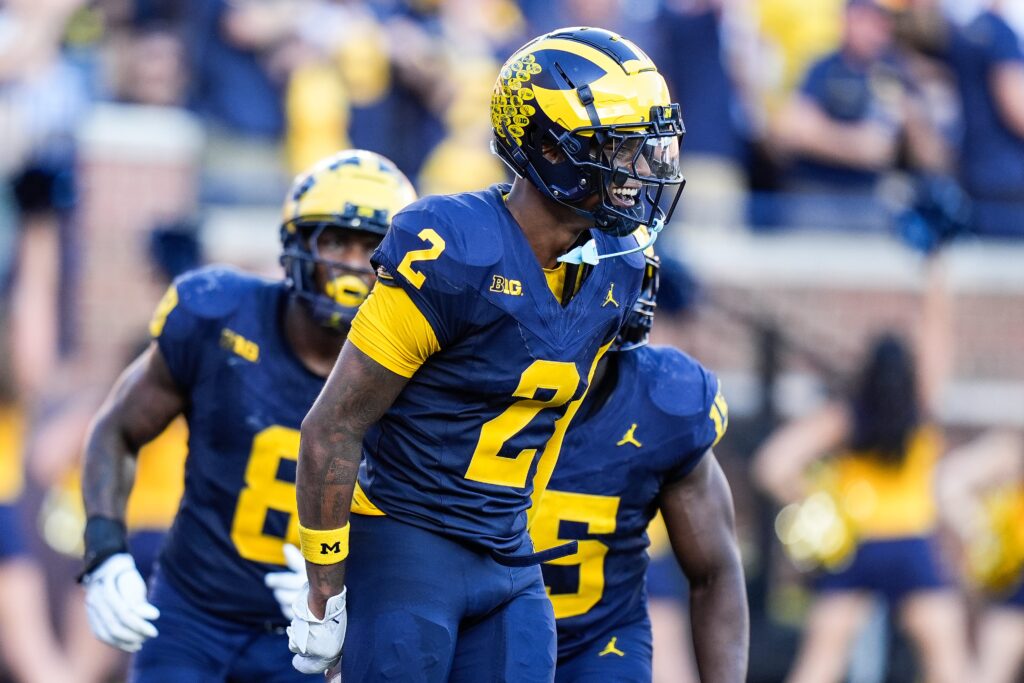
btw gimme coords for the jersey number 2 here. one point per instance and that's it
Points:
(415, 278)
(264, 492)
(487, 465)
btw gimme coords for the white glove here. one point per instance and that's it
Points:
(317, 642)
(115, 600)
(287, 584)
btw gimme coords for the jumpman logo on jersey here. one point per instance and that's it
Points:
(630, 437)
(610, 297)
(610, 649)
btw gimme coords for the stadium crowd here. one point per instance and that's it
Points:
(142, 138)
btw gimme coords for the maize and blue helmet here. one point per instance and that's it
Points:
(353, 190)
(597, 100)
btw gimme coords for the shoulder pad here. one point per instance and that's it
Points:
(214, 291)
(679, 386)
(468, 223)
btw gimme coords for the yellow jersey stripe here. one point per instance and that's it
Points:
(392, 331)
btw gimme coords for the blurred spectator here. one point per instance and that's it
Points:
(234, 47)
(794, 34)
(150, 67)
(462, 161)
(400, 116)
(868, 518)
(400, 78)
(28, 643)
(844, 127)
(242, 54)
(981, 487)
(987, 61)
(631, 18)
(42, 97)
(696, 67)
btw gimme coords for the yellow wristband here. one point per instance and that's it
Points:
(324, 546)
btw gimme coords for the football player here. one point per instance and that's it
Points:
(642, 443)
(243, 358)
(464, 367)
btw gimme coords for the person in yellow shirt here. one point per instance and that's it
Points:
(874, 506)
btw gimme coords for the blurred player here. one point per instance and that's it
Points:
(465, 366)
(885, 447)
(981, 488)
(243, 358)
(642, 443)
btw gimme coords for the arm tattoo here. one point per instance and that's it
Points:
(356, 395)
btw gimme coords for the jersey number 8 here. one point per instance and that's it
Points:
(264, 492)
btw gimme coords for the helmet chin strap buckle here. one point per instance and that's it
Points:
(588, 252)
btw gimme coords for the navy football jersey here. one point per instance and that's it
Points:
(458, 451)
(221, 334)
(663, 414)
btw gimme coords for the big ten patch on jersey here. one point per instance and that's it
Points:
(488, 411)
(652, 429)
(220, 333)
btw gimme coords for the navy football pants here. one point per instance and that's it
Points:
(622, 654)
(425, 608)
(197, 647)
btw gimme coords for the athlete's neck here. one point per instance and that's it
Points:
(315, 346)
(606, 377)
(550, 228)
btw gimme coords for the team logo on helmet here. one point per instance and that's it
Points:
(583, 112)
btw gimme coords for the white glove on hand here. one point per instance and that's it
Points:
(115, 600)
(287, 584)
(317, 642)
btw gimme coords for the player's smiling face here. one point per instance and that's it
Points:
(625, 194)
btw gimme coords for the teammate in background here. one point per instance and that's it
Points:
(642, 443)
(883, 445)
(981, 495)
(463, 370)
(243, 358)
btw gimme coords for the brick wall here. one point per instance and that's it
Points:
(831, 294)
(138, 168)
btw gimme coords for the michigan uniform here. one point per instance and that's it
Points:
(497, 367)
(664, 413)
(219, 332)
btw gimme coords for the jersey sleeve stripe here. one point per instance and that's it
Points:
(393, 332)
